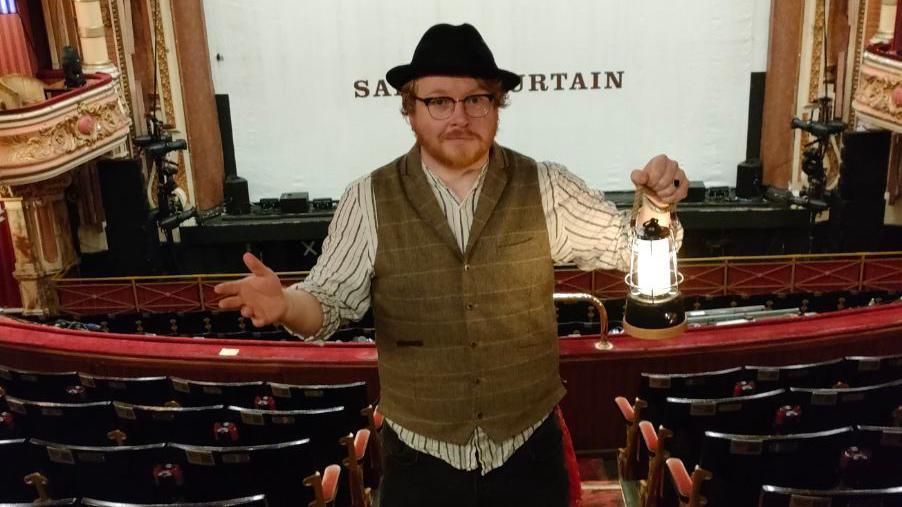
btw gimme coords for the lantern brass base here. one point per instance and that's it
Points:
(656, 321)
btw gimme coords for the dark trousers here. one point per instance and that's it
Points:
(535, 475)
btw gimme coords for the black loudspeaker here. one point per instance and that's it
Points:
(131, 232)
(295, 202)
(749, 178)
(235, 193)
(857, 215)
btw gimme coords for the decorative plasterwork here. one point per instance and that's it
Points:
(860, 22)
(162, 61)
(113, 18)
(880, 80)
(40, 144)
(99, 121)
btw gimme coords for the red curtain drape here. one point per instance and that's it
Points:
(9, 287)
(16, 56)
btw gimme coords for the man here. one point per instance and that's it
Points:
(452, 245)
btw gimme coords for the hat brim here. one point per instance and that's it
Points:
(402, 74)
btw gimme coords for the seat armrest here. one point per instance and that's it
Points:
(373, 416)
(361, 440)
(626, 410)
(330, 482)
(682, 483)
(649, 436)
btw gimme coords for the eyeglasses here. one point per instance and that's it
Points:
(475, 106)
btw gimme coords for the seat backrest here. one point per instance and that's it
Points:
(248, 501)
(870, 370)
(71, 423)
(831, 408)
(656, 387)
(9, 429)
(120, 473)
(185, 425)
(200, 394)
(775, 496)
(822, 375)
(51, 503)
(323, 426)
(741, 464)
(16, 465)
(689, 418)
(62, 387)
(882, 448)
(137, 390)
(218, 473)
(352, 396)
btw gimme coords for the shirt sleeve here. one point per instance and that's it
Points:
(584, 228)
(342, 276)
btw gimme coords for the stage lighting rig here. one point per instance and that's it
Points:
(170, 213)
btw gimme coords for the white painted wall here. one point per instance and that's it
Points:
(290, 67)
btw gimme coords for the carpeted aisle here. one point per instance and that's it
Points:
(600, 487)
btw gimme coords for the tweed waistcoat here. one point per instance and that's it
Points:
(465, 339)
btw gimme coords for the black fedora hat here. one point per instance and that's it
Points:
(448, 50)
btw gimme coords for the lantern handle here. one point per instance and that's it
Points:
(628, 280)
(580, 297)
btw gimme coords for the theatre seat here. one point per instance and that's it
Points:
(690, 418)
(9, 428)
(356, 445)
(248, 501)
(352, 396)
(740, 464)
(775, 496)
(871, 370)
(882, 450)
(16, 465)
(324, 427)
(831, 408)
(657, 450)
(45, 503)
(116, 473)
(194, 393)
(137, 390)
(324, 486)
(185, 425)
(218, 473)
(71, 423)
(62, 387)
(629, 458)
(821, 375)
(654, 388)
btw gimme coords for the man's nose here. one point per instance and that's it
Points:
(459, 115)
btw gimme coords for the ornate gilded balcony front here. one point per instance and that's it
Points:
(44, 140)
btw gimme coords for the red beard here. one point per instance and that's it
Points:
(459, 148)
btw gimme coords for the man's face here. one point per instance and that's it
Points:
(459, 141)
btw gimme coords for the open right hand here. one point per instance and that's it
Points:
(259, 296)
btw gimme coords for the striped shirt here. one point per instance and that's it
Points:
(583, 229)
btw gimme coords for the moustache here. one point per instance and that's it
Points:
(459, 135)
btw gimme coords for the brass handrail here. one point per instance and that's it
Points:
(581, 297)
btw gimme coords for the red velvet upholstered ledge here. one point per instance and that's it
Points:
(592, 377)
